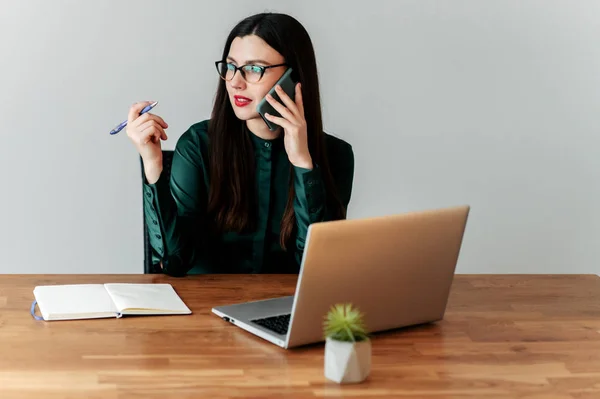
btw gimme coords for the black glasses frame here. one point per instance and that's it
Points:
(240, 68)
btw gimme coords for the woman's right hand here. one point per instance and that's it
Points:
(146, 131)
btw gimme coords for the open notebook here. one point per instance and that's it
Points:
(90, 301)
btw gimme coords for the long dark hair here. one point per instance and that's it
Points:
(232, 193)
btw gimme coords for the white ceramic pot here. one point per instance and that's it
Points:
(347, 362)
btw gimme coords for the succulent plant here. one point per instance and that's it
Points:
(344, 322)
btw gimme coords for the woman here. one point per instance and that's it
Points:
(240, 197)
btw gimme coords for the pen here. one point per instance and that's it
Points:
(124, 123)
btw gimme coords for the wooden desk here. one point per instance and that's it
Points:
(503, 337)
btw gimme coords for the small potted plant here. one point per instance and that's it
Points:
(347, 345)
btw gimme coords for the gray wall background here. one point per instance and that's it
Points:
(489, 103)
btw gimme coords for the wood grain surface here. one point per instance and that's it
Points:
(504, 336)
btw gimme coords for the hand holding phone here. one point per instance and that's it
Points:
(289, 87)
(294, 125)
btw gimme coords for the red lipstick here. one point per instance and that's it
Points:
(241, 101)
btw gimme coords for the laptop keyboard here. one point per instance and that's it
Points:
(278, 324)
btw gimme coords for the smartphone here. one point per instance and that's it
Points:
(289, 87)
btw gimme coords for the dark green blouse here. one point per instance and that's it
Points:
(175, 209)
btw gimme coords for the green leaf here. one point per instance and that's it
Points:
(345, 323)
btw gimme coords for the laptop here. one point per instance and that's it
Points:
(397, 270)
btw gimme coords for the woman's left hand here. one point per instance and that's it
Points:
(294, 125)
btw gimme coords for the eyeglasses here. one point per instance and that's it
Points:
(250, 73)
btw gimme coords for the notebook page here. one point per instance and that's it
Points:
(146, 299)
(75, 301)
